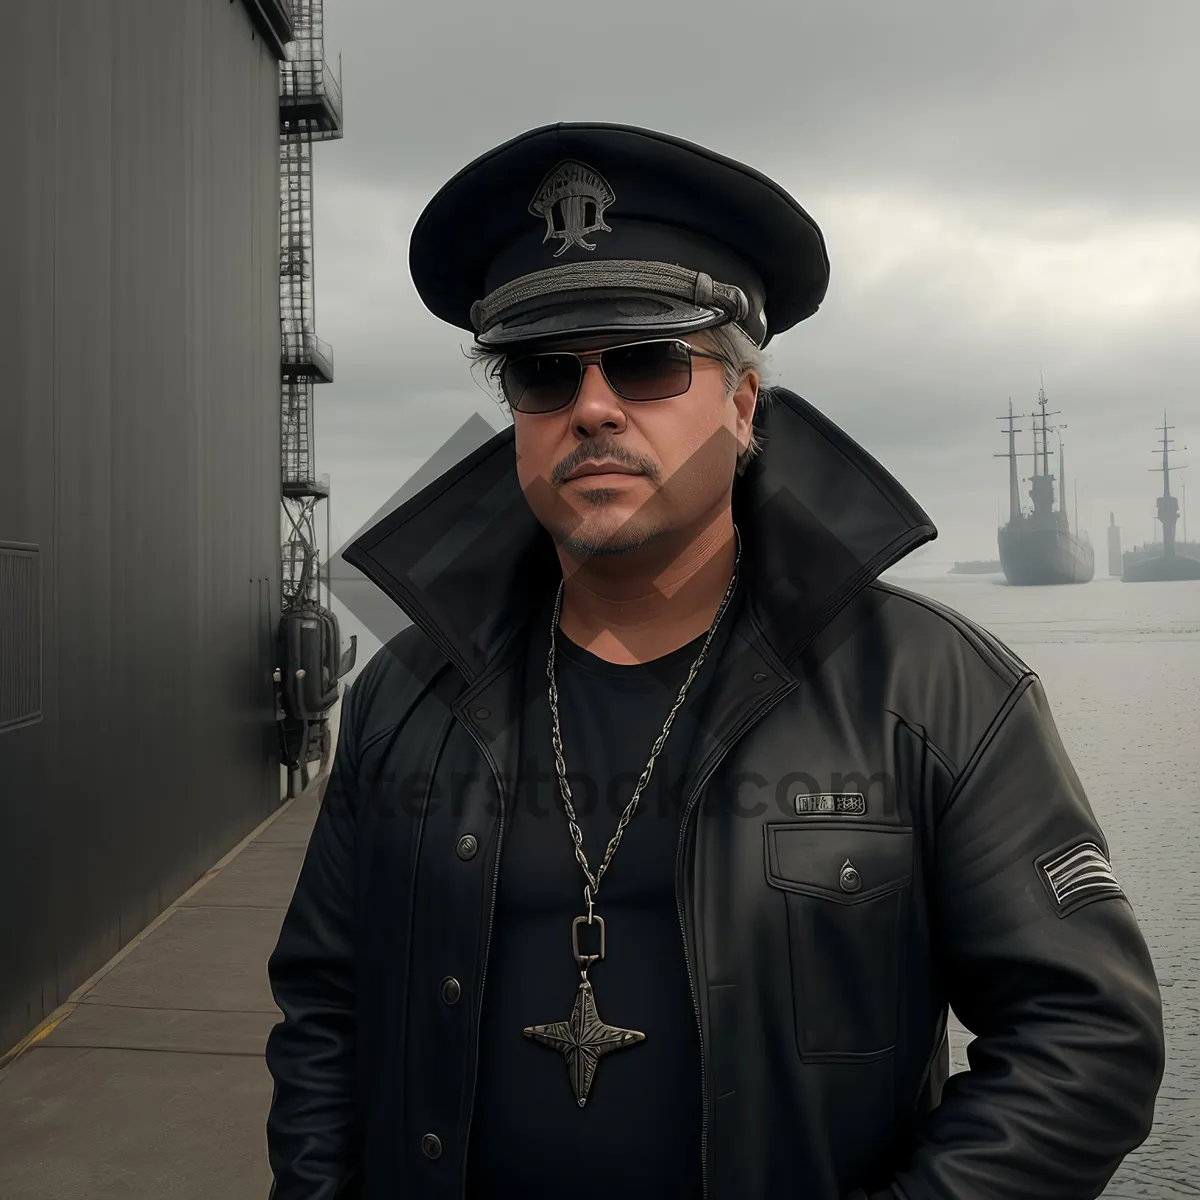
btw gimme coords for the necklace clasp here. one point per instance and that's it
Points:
(586, 960)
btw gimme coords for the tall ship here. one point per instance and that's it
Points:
(1170, 559)
(1037, 545)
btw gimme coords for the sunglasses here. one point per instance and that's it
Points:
(547, 382)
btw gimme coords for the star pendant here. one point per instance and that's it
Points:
(583, 1040)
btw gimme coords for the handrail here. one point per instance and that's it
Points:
(307, 79)
(301, 347)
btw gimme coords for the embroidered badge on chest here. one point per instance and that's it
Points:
(830, 804)
(572, 199)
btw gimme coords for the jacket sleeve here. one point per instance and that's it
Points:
(1044, 962)
(311, 1054)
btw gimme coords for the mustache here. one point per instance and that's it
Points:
(590, 451)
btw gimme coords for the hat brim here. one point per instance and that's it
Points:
(635, 316)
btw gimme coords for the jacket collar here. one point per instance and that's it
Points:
(819, 517)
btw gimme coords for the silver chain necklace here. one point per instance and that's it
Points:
(584, 1038)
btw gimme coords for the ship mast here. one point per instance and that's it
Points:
(1014, 487)
(1062, 479)
(1041, 491)
(1168, 505)
(1042, 403)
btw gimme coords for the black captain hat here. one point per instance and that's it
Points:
(582, 230)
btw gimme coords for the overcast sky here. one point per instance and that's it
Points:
(1006, 188)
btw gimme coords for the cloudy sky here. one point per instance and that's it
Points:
(1006, 188)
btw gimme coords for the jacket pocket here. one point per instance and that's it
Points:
(846, 885)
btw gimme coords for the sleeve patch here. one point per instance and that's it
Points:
(1075, 876)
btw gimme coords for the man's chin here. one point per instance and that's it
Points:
(596, 539)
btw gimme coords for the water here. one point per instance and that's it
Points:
(1121, 666)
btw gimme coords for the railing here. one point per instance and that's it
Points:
(306, 79)
(302, 349)
(333, 88)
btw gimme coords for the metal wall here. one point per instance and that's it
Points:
(139, 455)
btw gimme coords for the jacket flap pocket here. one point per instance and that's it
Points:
(834, 860)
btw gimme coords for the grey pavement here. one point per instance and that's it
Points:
(153, 1086)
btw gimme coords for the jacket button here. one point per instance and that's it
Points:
(759, 677)
(431, 1145)
(482, 714)
(849, 880)
(451, 990)
(467, 845)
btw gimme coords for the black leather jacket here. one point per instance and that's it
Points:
(824, 947)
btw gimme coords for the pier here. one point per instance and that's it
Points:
(150, 1081)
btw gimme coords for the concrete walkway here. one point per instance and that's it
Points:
(152, 1086)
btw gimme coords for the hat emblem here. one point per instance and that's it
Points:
(572, 199)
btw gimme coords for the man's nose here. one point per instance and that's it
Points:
(596, 403)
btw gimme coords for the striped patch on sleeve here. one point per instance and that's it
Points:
(1077, 875)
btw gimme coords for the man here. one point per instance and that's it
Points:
(655, 850)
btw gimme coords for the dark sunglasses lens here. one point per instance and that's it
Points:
(648, 370)
(541, 383)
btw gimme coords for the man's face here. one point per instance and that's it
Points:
(667, 466)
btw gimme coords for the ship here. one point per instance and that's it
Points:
(1171, 559)
(1038, 546)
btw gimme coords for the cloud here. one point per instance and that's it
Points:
(1007, 193)
(1075, 98)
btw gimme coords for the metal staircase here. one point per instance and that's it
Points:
(310, 110)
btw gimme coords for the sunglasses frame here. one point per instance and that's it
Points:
(588, 358)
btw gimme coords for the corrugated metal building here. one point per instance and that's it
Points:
(139, 467)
